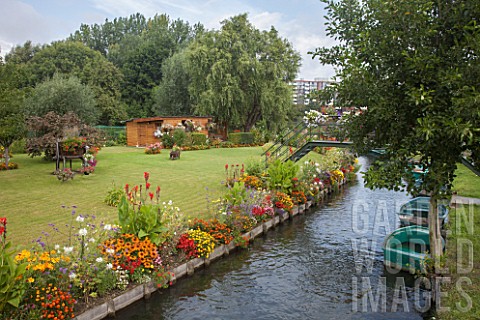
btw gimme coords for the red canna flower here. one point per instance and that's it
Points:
(147, 185)
(146, 175)
(150, 194)
(3, 221)
(2, 230)
(226, 167)
(126, 187)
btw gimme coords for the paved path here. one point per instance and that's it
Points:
(456, 200)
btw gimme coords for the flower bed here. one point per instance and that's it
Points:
(150, 248)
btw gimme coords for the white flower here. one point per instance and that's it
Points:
(80, 219)
(72, 276)
(170, 202)
(57, 247)
(82, 232)
(178, 209)
(109, 266)
(67, 249)
(110, 251)
(99, 259)
(107, 227)
(91, 239)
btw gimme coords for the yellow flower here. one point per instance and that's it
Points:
(30, 280)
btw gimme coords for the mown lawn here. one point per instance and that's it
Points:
(31, 197)
(466, 183)
(463, 252)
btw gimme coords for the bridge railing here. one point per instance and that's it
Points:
(301, 134)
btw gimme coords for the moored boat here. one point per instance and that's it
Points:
(407, 248)
(415, 212)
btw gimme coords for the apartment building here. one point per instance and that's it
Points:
(302, 88)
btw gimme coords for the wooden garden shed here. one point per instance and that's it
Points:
(141, 131)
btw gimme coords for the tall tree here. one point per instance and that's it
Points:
(415, 65)
(240, 75)
(93, 69)
(12, 124)
(101, 37)
(140, 58)
(171, 97)
(63, 95)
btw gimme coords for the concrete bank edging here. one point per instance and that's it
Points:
(110, 306)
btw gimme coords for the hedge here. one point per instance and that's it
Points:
(199, 139)
(241, 137)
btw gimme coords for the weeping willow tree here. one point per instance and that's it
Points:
(241, 75)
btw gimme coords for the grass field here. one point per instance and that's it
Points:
(466, 183)
(31, 197)
(463, 247)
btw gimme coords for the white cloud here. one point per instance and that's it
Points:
(20, 22)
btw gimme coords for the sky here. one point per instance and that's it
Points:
(302, 22)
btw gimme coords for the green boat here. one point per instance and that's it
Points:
(415, 212)
(406, 249)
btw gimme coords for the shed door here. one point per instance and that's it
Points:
(142, 134)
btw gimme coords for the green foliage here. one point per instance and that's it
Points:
(236, 194)
(113, 197)
(12, 126)
(63, 95)
(171, 97)
(168, 141)
(419, 83)
(240, 74)
(280, 175)
(19, 146)
(11, 288)
(179, 137)
(73, 59)
(199, 139)
(140, 56)
(255, 167)
(144, 221)
(241, 137)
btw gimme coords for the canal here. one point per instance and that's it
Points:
(325, 264)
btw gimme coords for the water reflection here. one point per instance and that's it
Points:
(327, 264)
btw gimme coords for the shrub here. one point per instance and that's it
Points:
(179, 137)
(280, 175)
(113, 197)
(241, 137)
(255, 167)
(19, 146)
(167, 141)
(199, 139)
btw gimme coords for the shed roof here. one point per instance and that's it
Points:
(167, 117)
